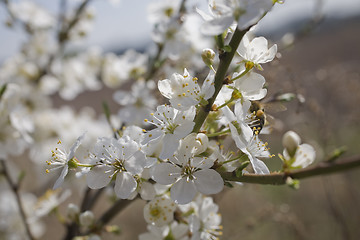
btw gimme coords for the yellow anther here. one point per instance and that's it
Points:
(47, 171)
(59, 142)
(145, 120)
(184, 94)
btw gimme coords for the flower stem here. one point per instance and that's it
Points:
(241, 75)
(218, 133)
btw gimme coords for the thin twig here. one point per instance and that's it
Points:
(15, 188)
(112, 212)
(322, 168)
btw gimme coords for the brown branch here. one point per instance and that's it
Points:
(225, 60)
(322, 168)
(15, 188)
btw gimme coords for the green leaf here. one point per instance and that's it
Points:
(227, 48)
(239, 170)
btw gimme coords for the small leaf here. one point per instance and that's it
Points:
(239, 170)
(227, 48)
(2, 90)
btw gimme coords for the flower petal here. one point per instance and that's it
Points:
(125, 184)
(208, 181)
(183, 191)
(99, 177)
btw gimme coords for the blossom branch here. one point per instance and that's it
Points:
(15, 188)
(116, 208)
(322, 168)
(225, 60)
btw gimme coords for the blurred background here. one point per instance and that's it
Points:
(319, 58)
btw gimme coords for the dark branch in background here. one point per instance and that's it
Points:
(15, 188)
(322, 168)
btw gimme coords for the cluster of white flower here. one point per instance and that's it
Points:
(168, 151)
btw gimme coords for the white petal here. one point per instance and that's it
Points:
(170, 145)
(152, 135)
(61, 178)
(147, 191)
(258, 166)
(165, 88)
(165, 173)
(98, 177)
(135, 164)
(208, 181)
(125, 184)
(216, 26)
(183, 191)
(305, 155)
(75, 146)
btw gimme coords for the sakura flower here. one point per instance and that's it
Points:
(32, 14)
(224, 13)
(138, 103)
(61, 159)
(159, 211)
(162, 11)
(176, 231)
(245, 139)
(188, 172)
(205, 223)
(250, 86)
(172, 125)
(256, 51)
(121, 159)
(297, 155)
(184, 90)
(49, 201)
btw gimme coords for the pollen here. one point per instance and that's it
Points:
(47, 171)
(145, 120)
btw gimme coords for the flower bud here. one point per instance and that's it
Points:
(72, 211)
(86, 218)
(291, 141)
(201, 143)
(208, 56)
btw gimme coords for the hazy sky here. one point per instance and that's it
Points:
(127, 23)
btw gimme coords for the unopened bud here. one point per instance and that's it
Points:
(208, 56)
(86, 218)
(72, 211)
(291, 141)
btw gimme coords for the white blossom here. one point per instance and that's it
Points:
(159, 211)
(184, 90)
(223, 13)
(256, 51)
(138, 103)
(172, 125)
(121, 159)
(189, 173)
(60, 159)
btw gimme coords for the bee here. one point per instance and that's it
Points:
(259, 116)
